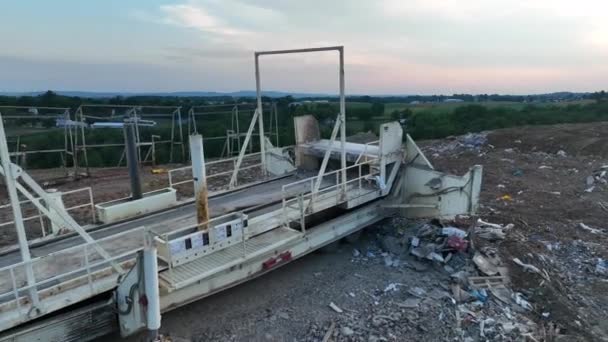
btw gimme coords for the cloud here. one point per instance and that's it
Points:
(391, 46)
(196, 17)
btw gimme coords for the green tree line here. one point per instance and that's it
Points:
(423, 124)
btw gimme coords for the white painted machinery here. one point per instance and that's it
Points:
(124, 274)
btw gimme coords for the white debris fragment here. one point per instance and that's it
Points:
(527, 267)
(482, 223)
(388, 261)
(521, 301)
(415, 242)
(335, 308)
(561, 153)
(393, 287)
(484, 265)
(346, 331)
(453, 231)
(491, 231)
(589, 229)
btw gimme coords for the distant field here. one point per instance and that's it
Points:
(450, 106)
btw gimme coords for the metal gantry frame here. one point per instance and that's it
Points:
(134, 113)
(62, 113)
(340, 124)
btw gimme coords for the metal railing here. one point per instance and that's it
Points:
(166, 241)
(301, 197)
(364, 152)
(232, 160)
(80, 262)
(40, 216)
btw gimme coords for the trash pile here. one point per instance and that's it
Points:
(597, 179)
(485, 305)
(462, 289)
(467, 142)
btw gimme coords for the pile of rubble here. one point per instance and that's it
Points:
(474, 303)
(598, 179)
(467, 142)
(485, 305)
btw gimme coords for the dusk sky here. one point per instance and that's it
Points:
(391, 46)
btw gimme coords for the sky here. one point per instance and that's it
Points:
(391, 46)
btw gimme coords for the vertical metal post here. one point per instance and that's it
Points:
(172, 143)
(181, 132)
(84, 145)
(302, 212)
(238, 131)
(64, 162)
(132, 160)
(342, 120)
(199, 175)
(151, 287)
(10, 180)
(276, 123)
(258, 91)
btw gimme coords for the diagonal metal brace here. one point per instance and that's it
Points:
(68, 220)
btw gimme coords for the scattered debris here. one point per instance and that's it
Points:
(453, 231)
(527, 267)
(417, 291)
(506, 197)
(329, 332)
(410, 303)
(346, 331)
(470, 141)
(521, 301)
(488, 282)
(484, 265)
(391, 244)
(392, 287)
(457, 243)
(602, 266)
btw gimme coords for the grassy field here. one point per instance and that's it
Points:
(443, 107)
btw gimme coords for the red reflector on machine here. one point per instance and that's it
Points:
(283, 257)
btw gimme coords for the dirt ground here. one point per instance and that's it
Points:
(534, 177)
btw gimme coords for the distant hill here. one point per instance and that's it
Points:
(556, 96)
(240, 93)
